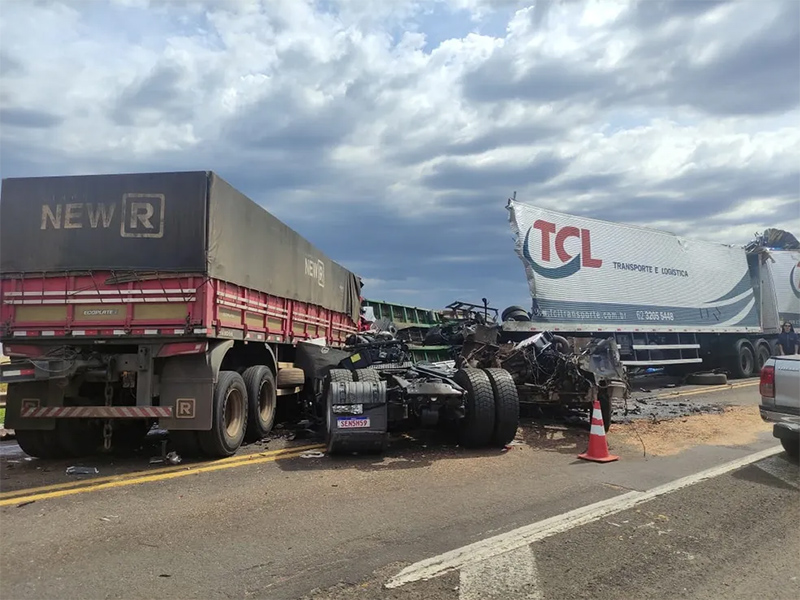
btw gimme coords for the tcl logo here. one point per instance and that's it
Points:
(554, 239)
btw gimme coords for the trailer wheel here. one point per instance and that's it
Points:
(477, 425)
(229, 416)
(506, 406)
(262, 397)
(744, 363)
(763, 353)
(39, 444)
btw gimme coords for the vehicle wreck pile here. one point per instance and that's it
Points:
(373, 386)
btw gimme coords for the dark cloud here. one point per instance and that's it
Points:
(160, 92)
(495, 80)
(10, 65)
(759, 75)
(588, 183)
(525, 134)
(28, 118)
(650, 14)
(453, 176)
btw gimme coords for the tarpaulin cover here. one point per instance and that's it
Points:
(190, 222)
(603, 276)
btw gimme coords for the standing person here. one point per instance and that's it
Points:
(788, 340)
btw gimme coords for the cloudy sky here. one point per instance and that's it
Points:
(390, 133)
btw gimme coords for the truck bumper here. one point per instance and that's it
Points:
(770, 415)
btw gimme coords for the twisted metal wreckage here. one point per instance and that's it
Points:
(372, 385)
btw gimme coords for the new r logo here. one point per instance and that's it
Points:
(142, 216)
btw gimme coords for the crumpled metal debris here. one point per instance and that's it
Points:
(82, 471)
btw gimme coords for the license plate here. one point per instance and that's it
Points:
(352, 422)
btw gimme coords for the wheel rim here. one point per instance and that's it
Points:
(265, 401)
(234, 412)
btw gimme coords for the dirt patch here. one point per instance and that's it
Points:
(735, 426)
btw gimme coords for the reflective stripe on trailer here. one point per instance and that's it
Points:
(98, 412)
(18, 372)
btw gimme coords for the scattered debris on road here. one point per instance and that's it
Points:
(82, 471)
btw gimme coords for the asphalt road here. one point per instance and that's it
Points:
(270, 526)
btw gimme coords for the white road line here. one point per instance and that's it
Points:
(505, 542)
(783, 470)
(509, 575)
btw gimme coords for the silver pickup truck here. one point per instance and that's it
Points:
(780, 400)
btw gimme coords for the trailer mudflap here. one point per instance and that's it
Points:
(26, 395)
(187, 387)
(357, 416)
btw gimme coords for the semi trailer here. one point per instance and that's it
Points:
(666, 300)
(131, 299)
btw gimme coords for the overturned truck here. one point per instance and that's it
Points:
(371, 387)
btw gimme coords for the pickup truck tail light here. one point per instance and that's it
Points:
(767, 386)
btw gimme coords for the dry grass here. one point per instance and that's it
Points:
(738, 425)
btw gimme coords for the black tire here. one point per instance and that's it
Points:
(791, 445)
(39, 444)
(477, 426)
(763, 353)
(228, 418)
(367, 375)
(744, 364)
(79, 437)
(262, 399)
(506, 406)
(332, 444)
(707, 379)
(291, 377)
(515, 313)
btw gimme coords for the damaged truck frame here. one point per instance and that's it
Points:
(543, 366)
(370, 388)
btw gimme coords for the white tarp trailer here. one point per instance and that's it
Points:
(667, 300)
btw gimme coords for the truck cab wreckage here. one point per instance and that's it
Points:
(371, 387)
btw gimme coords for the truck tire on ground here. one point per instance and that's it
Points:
(228, 418)
(515, 313)
(707, 379)
(744, 364)
(506, 406)
(791, 446)
(477, 426)
(333, 443)
(367, 375)
(262, 398)
(39, 444)
(291, 377)
(763, 352)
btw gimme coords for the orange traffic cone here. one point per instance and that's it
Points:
(598, 448)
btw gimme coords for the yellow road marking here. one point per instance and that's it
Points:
(14, 497)
(710, 390)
